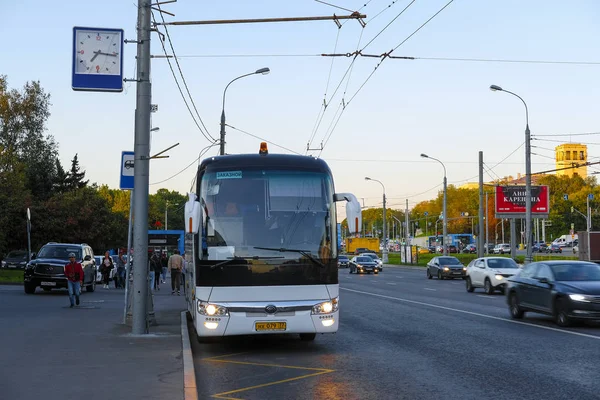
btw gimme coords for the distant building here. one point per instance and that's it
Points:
(569, 155)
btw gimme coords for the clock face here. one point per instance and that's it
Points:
(98, 52)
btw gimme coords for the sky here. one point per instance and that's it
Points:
(407, 107)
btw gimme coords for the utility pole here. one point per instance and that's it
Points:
(503, 230)
(589, 213)
(407, 218)
(544, 230)
(513, 238)
(142, 171)
(480, 244)
(384, 253)
(487, 230)
(166, 216)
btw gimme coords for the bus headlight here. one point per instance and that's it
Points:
(211, 309)
(326, 307)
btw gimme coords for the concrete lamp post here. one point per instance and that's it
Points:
(445, 217)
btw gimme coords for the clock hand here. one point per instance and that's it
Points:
(107, 54)
(96, 53)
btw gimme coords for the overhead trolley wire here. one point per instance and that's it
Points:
(206, 134)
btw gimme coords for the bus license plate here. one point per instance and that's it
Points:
(270, 326)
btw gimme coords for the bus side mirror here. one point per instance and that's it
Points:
(193, 214)
(353, 211)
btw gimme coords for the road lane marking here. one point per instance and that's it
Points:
(473, 313)
(433, 290)
(226, 395)
(391, 283)
(487, 297)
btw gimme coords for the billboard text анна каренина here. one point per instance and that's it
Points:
(510, 201)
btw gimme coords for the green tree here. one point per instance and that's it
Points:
(157, 204)
(75, 178)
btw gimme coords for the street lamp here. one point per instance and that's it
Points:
(384, 253)
(445, 223)
(528, 222)
(263, 71)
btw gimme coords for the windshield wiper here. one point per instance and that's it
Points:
(237, 258)
(305, 253)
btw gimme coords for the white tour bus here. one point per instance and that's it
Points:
(261, 246)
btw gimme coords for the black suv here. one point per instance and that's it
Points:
(47, 269)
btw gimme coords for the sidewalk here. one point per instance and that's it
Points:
(51, 351)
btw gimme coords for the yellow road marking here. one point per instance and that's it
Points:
(272, 365)
(271, 383)
(223, 356)
(320, 371)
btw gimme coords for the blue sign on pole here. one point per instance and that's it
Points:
(591, 196)
(127, 165)
(426, 213)
(565, 197)
(97, 59)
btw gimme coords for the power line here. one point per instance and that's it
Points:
(263, 139)
(324, 105)
(207, 135)
(202, 152)
(410, 161)
(386, 56)
(568, 134)
(334, 6)
(389, 23)
(382, 11)
(563, 142)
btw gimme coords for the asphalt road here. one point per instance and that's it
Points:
(402, 336)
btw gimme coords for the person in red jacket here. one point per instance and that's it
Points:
(74, 274)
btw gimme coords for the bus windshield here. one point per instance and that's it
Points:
(265, 213)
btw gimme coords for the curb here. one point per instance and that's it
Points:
(190, 391)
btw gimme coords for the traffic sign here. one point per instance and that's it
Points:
(591, 196)
(462, 214)
(127, 165)
(565, 197)
(426, 213)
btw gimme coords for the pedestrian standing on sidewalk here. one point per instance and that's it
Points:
(154, 259)
(74, 274)
(175, 266)
(164, 263)
(107, 266)
(156, 266)
(120, 275)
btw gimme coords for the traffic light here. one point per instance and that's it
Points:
(572, 208)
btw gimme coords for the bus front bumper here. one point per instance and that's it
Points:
(251, 323)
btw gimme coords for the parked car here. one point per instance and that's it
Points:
(490, 273)
(502, 248)
(376, 259)
(445, 267)
(47, 270)
(360, 264)
(343, 261)
(554, 248)
(566, 290)
(470, 248)
(360, 250)
(490, 247)
(16, 259)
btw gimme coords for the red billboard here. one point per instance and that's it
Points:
(510, 201)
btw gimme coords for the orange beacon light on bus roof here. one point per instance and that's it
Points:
(263, 148)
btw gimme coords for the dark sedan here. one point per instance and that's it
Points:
(566, 290)
(553, 248)
(343, 261)
(16, 259)
(361, 264)
(445, 267)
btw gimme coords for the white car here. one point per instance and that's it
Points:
(490, 273)
(502, 248)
